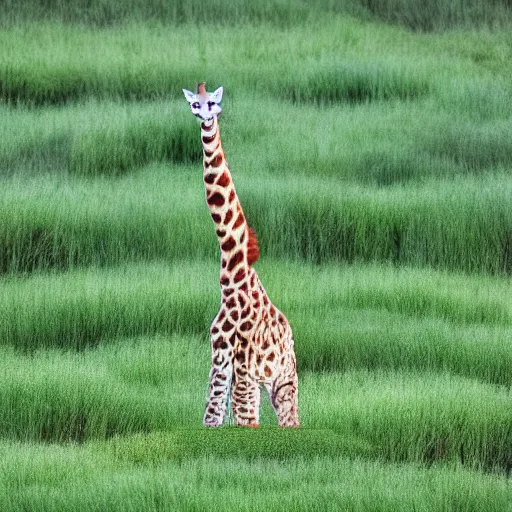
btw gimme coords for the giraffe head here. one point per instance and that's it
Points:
(203, 104)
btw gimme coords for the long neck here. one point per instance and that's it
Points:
(238, 244)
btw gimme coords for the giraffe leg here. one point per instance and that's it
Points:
(245, 399)
(220, 381)
(283, 393)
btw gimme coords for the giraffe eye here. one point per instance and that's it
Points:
(195, 105)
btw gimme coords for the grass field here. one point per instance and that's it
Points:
(371, 146)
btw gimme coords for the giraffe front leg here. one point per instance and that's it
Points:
(220, 380)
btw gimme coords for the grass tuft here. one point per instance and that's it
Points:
(435, 15)
(352, 82)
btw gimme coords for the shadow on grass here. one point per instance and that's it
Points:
(262, 443)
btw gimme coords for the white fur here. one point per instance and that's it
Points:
(217, 95)
(191, 97)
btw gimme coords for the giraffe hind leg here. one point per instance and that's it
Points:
(284, 398)
(245, 400)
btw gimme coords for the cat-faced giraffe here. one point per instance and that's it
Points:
(251, 341)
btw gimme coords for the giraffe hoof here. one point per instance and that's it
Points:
(212, 423)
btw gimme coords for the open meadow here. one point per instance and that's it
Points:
(371, 147)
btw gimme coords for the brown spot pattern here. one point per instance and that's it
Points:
(239, 221)
(228, 217)
(220, 344)
(235, 260)
(216, 199)
(224, 180)
(227, 326)
(239, 275)
(231, 303)
(246, 326)
(228, 244)
(217, 160)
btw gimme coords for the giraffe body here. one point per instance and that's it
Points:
(251, 340)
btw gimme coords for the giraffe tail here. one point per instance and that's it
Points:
(253, 249)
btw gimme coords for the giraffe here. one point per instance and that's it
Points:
(251, 340)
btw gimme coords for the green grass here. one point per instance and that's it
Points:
(55, 63)
(159, 212)
(53, 478)
(96, 139)
(55, 397)
(436, 144)
(428, 321)
(417, 15)
(440, 14)
(145, 386)
(370, 146)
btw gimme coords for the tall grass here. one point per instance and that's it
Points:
(96, 139)
(355, 317)
(54, 397)
(160, 213)
(374, 163)
(428, 418)
(53, 478)
(102, 13)
(352, 82)
(441, 14)
(461, 225)
(54, 63)
(156, 388)
(425, 16)
(80, 309)
(344, 338)
(54, 223)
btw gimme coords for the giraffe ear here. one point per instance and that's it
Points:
(217, 95)
(189, 95)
